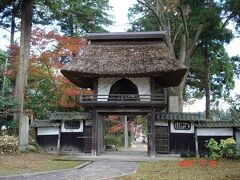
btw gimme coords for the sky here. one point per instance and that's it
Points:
(120, 11)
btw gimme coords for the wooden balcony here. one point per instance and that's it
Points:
(132, 100)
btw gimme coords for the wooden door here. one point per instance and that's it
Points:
(162, 139)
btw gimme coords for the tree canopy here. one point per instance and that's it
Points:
(192, 28)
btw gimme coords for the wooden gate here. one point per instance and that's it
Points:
(162, 139)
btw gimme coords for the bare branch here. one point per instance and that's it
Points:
(227, 20)
(153, 10)
(176, 34)
(184, 24)
(195, 40)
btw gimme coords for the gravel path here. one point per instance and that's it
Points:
(94, 171)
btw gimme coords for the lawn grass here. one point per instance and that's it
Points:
(225, 169)
(28, 163)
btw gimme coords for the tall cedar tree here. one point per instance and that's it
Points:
(26, 25)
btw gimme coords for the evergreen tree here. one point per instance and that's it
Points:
(78, 16)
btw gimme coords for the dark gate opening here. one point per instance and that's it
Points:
(124, 89)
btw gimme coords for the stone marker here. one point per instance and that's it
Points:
(24, 134)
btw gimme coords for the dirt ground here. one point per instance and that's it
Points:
(28, 163)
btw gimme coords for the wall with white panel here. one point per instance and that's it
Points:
(215, 131)
(47, 131)
(105, 84)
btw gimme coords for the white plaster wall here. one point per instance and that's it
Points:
(72, 130)
(173, 104)
(48, 131)
(105, 84)
(191, 130)
(215, 131)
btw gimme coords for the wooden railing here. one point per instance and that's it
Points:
(123, 98)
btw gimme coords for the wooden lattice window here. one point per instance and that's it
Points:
(72, 124)
(182, 125)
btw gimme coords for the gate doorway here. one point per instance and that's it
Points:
(127, 134)
(108, 131)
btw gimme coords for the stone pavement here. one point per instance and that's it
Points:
(95, 171)
(121, 156)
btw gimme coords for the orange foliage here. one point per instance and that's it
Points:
(72, 92)
(118, 128)
(49, 52)
(14, 53)
(113, 118)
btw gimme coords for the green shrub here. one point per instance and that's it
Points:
(112, 139)
(228, 148)
(8, 144)
(214, 149)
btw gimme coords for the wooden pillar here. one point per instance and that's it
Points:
(103, 133)
(95, 86)
(59, 140)
(81, 96)
(94, 133)
(151, 149)
(196, 142)
(149, 138)
(100, 134)
(125, 132)
(152, 87)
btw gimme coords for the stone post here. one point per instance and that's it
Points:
(23, 131)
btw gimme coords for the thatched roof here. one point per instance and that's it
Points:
(135, 57)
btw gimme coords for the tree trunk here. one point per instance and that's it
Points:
(207, 81)
(12, 29)
(26, 25)
(180, 100)
(9, 53)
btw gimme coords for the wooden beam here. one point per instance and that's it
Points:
(154, 35)
(162, 104)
